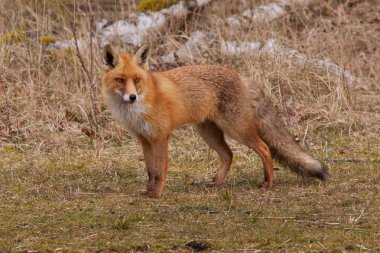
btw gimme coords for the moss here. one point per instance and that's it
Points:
(13, 37)
(155, 5)
(48, 39)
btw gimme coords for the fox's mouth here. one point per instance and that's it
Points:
(128, 102)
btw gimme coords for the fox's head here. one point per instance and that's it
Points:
(126, 75)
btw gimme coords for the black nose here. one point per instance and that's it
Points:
(132, 97)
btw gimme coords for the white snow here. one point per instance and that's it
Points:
(264, 13)
(65, 44)
(275, 49)
(134, 29)
(175, 10)
(235, 48)
(198, 41)
(233, 21)
(132, 33)
(202, 2)
(101, 24)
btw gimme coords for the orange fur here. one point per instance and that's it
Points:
(216, 99)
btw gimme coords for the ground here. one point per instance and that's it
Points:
(72, 199)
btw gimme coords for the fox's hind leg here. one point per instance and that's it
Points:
(251, 139)
(214, 137)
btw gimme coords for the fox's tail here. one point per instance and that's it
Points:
(282, 145)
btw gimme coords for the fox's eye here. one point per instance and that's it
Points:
(137, 80)
(119, 80)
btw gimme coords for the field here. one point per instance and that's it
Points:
(71, 178)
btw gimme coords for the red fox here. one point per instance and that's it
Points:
(217, 100)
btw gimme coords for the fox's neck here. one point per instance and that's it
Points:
(154, 91)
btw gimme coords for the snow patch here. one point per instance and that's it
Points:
(275, 49)
(235, 48)
(264, 13)
(233, 21)
(202, 2)
(132, 32)
(198, 42)
(65, 44)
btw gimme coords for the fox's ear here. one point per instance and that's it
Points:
(141, 56)
(109, 56)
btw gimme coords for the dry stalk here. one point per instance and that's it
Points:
(8, 123)
(89, 74)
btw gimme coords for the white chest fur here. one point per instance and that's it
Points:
(131, 115)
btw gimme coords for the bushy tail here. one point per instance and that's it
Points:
(282, 145)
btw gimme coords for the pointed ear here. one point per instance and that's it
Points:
(141, 56)
(110, 58)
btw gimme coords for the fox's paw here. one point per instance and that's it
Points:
(210, 184)
(266, 185)
(213, 184)
(151, 194)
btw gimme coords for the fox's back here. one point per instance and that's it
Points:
(219, 90)
(204, 76)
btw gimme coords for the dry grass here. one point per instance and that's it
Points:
(70, 176)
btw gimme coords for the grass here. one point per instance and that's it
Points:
(70, 179)
(73, 200)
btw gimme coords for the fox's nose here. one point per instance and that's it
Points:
(132, 97)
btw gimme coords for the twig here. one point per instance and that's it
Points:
(353, 160)
(73, 29)
(318, 222)
(8, 122)
(283, 103)
(322, 245)
(355, 229)
(357, 219)
(304, 137)
(280, 217)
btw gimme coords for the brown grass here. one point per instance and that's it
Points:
(69, 184)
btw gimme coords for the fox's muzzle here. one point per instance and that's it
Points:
(130, 92)
(130, 98)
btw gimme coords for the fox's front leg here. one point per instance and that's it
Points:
(156, 160)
